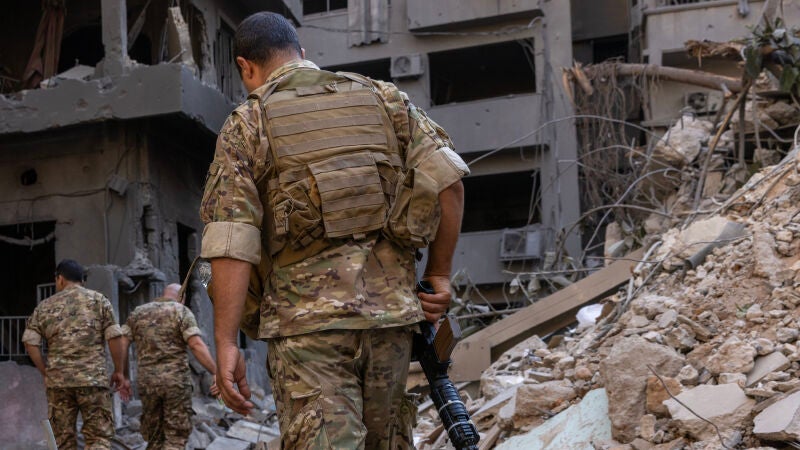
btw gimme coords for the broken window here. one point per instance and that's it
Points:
(480, 72)
(83, 46)
(378, 69)
(28, 267)
(507, 200)
(321, 6)
(227, 74)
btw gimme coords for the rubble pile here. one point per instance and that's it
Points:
(215, 427)
(702, 349)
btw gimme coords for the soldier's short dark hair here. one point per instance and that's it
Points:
(263, 35)
(71, 270)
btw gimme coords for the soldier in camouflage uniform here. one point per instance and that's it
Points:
(337, 179)
(76, 322)
(162, 330)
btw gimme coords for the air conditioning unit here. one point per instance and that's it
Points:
(703, 101)
(407, 66)
(520, 244)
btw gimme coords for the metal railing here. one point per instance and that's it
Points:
(44, 290)
(11, 329)
(680, 2)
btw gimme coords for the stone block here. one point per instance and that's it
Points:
(733, 356)
(624, 373)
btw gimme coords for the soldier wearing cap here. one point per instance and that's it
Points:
(76, 323)
(336, 180)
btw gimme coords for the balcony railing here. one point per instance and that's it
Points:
(680, 2)
(11, 329)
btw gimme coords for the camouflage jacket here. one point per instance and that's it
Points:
(75, 322)
(355, 285)
(160, 331)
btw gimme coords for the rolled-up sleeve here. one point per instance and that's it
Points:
(231, 207)
(33, 330)
(430, 150)
(189, 326)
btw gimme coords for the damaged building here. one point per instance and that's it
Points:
(108, 118)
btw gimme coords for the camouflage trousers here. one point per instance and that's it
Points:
(166, 414)
(343, 389)
(94, 404)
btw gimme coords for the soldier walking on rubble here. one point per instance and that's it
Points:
(349, 179)
(75, 323)
(161, 331)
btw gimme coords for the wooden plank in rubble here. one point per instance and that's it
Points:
(475, 353)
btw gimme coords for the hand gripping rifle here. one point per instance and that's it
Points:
(432, 350)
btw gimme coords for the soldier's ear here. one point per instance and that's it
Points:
(302, 53)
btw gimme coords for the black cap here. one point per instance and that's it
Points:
(71, 270)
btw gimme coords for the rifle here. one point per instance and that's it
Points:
(432, 350)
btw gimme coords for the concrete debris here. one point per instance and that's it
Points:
(624, 373)
(576, 428)
(780, 421)
(214, 425)
(766, 365)
(713, 312)
(726, 405)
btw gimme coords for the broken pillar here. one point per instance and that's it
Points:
(115, 37)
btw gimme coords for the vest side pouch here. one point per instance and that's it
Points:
(351, 194)
(297, 216)
(415, 215)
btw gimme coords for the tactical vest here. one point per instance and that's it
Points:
(337, 166)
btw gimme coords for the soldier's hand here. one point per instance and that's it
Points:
(121, 384)
(230, 375)
(434, 305)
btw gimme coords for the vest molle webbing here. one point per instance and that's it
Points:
(336, 160)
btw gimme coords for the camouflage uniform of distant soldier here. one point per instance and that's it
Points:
(322, 157)
(162, 330)
(76, 322)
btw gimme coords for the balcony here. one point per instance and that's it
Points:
(144, 91)
(488, 124)
(427, 14)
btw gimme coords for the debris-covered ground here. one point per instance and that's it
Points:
(701, 350)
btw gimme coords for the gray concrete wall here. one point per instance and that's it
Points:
(72, 168)
(593, 19)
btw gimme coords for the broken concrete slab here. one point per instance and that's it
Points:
(765, 365)
(576, 428)
(223, 443)
(780, 421)
(726, 405)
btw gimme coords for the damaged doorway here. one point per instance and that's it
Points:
(28, 263)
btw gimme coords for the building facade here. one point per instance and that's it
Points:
(109, 111)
